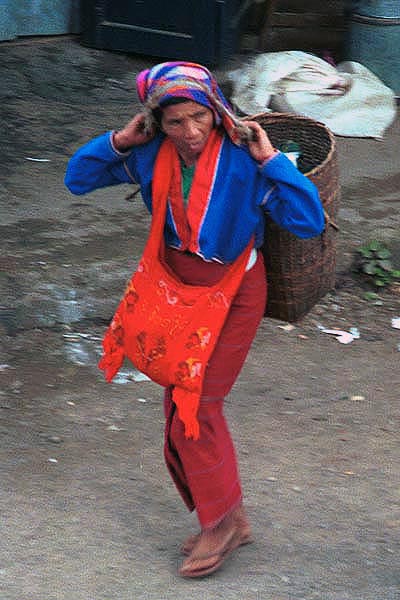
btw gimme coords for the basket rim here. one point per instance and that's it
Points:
(298, 117)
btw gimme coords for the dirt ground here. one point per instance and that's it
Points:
(87, 509)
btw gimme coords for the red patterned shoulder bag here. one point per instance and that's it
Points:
(168, 329)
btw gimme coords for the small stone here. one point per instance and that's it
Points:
(71, 337)
(355, 333)
(287, 327)
(54, 439)
(396, 322)
(113, 428)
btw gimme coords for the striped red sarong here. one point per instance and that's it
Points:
(205, 471)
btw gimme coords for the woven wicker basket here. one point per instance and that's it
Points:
(300, 272)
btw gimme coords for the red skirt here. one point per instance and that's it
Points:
(205, 471)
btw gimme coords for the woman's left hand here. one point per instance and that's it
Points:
(260, 146)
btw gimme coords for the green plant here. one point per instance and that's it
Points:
(374, 263)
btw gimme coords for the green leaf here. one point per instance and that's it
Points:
(370, 268)
(365, 252)
(371, 296)
(374, 245)
(384, 253)
(386, 265)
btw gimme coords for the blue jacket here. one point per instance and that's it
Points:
(241, 192)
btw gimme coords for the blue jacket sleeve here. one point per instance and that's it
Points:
(97, 164)
(293, 201)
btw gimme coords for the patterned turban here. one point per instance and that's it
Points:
(188, 80)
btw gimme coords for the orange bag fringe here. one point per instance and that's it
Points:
(166, 328)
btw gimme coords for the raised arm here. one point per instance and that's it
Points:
(293, 200)
(102, 161)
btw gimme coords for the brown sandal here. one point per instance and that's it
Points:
(202, 566)
(244, 534)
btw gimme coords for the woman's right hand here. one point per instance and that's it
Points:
(133, 134)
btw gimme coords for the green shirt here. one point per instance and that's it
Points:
(187, 178)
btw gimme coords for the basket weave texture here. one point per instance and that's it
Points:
(300, 272)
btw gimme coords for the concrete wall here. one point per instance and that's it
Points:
(38, 17)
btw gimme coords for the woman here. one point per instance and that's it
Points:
(220, 175)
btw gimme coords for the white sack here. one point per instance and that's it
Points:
(349, 99)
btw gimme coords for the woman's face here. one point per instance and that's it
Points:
(188, 126)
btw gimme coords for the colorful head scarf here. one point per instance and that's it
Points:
(189, 80)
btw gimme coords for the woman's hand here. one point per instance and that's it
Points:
(133, 134)
(260, 146)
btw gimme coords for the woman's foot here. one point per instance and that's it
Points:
(243, 526)
(213, 546)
